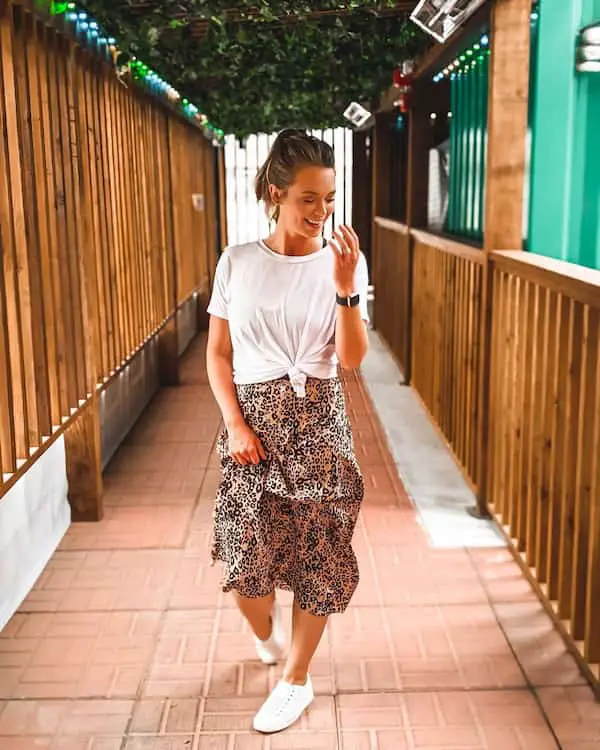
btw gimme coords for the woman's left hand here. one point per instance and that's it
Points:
(346, 250)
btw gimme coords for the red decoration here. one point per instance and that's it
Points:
(403, 80)
(403, 102)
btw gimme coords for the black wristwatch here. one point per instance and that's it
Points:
(351, 301)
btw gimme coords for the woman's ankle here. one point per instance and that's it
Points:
(295, 676)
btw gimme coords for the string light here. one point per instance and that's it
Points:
(141, 73)
(467, 60)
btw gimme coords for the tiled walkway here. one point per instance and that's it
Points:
(126, 642)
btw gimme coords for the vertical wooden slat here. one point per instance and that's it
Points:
(569, 458)
(535, 404)
(70, 153)
(88, 94)
(504, 501)
(34, 203)
(592, 588)
(495, 412)
(107, 214)
(16, 263)
(14, 442)
(543, 493)
(47, 74)
(586, 418)
(124, 216)
(168, 340)
(557, 442)
(518, 420)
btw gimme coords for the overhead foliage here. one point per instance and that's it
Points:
(269, 64)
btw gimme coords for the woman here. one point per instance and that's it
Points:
(284, 312)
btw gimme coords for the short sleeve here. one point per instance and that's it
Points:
(219, 299)
(362, 286)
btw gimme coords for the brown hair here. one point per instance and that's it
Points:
(291, 150)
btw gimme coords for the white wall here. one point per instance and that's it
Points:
(34, 516)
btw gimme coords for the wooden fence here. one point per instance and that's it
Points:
(544, 452)
(98, 236)
(535, 463)
(392, 276)
(446, 341)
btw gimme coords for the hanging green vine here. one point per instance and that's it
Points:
(268, 65)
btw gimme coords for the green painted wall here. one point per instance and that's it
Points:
(468, 140)
(565, 180)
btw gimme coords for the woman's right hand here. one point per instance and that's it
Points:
(244, 446)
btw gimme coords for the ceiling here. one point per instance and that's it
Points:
(199, 25)
(261, 65)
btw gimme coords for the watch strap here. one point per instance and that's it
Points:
(351, 301)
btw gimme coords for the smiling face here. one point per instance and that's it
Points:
(308, 202)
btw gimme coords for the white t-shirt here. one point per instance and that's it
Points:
(281, 311)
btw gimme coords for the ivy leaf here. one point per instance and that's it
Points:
(267, 64)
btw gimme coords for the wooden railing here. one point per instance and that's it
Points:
(392, 277)
(544, 476)
(542, 437)
(427, 309)
(447, 341)
(98, 236)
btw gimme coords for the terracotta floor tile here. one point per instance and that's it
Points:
(131, 528)
(127, 643)
(428, 647)
(77, 655)
(409, 575)
(501, 576)
(180, 742)
(574, 714)
(105, 580)
(539, 647)
(198, 585)
(63, 725)
(234, 715)
(453, 721)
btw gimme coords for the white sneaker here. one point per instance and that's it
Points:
(271, 650)
(283, 707)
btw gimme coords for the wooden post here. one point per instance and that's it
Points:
(418, 157)
(213, 230)
(222, 192)
(419, 141)
(381, 166)
(82, 438)
(505, 177)
(361, 192)
(380, 190)
(168, 344)
(84, 465)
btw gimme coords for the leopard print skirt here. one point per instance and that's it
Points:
(288, 522)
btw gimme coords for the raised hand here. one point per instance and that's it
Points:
(346, 248)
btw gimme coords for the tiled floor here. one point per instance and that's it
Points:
(126, 642)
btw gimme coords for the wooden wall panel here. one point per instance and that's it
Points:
(99, 241)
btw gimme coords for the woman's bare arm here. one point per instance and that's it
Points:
(219, 364)
(244, 445)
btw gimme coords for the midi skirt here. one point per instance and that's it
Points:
(288, 522)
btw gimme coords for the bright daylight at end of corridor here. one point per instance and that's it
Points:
(300, 375)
